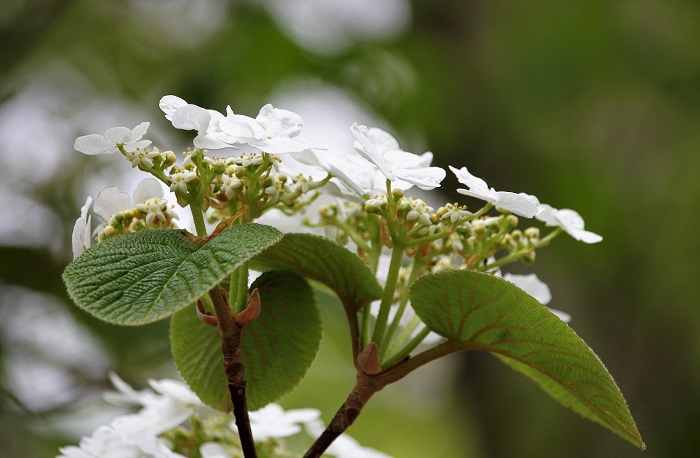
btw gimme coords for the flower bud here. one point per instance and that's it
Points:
(169, 158)
(532, 232)
(512, 220)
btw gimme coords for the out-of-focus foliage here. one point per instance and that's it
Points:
(587, 104)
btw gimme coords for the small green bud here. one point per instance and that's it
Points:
(109, 232)
(397, 192)
(479, 227)
(169, 159)
(528, 258)
(219, 168)
(512, 220)
(517, 235)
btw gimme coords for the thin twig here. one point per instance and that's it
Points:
(233, 367)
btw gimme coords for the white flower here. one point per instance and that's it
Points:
(344, 446)
(109, 202)
(142, 156)
(381, 149)
(170, 405)
(273, 422)
(273, 131)
(109, 142)
(179, 180)
(187, 116)
(112, 442)
(520, 204)
(569, 220)
(82, 236)
(536, 288)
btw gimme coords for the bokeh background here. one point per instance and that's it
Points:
(587, 104)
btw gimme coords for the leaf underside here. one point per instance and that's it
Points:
(478, 311)
(277, 348)
(322, 260)
(146, 276)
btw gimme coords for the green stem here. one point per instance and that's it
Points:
(408, 348)
(415, 272)
(388, 297)
(198, 217)
(238, 289)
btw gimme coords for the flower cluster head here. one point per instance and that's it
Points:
(122, 214)
(274, 130)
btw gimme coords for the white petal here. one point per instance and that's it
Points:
(139, 131)
(481, 196)
(565, 317)
(209, 141)
(531, 285)
(516, 203)
(280, 145)
(176, 390)
(585, 236)
(476, 185)
(191, 117)
(111, 201)
(146, 189)
(82, 237)
(279, 123)
(383, 140)
(118, 135)
(94, 144)
(425, 178)
(365, 146)
(169, 104)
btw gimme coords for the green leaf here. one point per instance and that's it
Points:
(477, 311)
(322, 260)
(277, 348)
(145, 276)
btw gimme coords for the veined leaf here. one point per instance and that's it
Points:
(145, 276)
(277, 348)
(322, 260)
(478, 311)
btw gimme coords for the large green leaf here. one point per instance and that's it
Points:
(477, 311)
(277, 348)
(322, 260)
(145, 276)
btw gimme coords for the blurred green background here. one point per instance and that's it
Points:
(586, 104)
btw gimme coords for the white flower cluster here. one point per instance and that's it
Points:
(121, 213)
(169, 405)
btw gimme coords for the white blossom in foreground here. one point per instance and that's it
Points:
(168, 405)
(273, 422)
(382, 149)
(129, 139)
(536, 288)
(520, 204)
(569, 220)
(113, 442)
